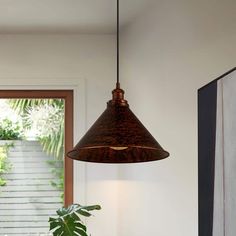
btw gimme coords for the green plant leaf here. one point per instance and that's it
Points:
(68, 221)
(91, 208)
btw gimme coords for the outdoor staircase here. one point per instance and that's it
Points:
(28, 199)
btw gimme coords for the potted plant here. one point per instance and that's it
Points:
(69, 223)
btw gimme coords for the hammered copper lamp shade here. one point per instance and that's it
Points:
(118, 137)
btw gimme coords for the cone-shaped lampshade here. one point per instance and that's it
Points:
(117, 137)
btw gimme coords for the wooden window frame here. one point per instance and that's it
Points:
(67, 95)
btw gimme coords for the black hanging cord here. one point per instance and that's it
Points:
(118, 45)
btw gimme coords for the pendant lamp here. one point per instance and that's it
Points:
(117, 136)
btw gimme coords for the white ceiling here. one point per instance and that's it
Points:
(66, 16)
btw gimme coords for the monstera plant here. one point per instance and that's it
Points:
(69, 223)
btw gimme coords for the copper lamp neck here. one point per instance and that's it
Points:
(118, 97)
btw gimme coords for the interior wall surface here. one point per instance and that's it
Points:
(167, 54)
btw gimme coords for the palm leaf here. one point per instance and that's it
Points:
(52, 144)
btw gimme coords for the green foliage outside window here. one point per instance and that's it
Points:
(5, 165)
(58, 171)
(10, 130)
(47, 117)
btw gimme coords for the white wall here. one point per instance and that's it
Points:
(87, 57)
(174, 48)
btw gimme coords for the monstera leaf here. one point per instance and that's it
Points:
(68, 222)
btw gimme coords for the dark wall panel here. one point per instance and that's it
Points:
(207, 103)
